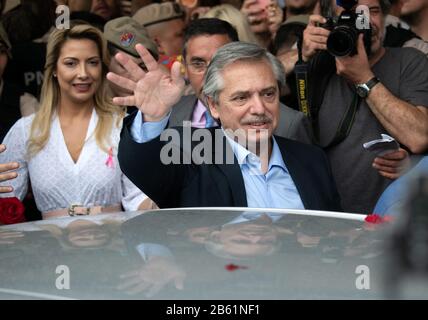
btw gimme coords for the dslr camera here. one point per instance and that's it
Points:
(345, 30)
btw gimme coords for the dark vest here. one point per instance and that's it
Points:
(9, 107)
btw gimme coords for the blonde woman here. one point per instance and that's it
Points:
(68, 148)
(229, 13)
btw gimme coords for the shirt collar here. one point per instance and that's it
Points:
(245, 156)
(276, 157)
(199, 110)
(240, 152)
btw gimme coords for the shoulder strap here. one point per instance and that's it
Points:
(345, 124)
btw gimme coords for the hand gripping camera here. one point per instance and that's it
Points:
(345, 30)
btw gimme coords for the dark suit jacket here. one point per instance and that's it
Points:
(292, 123)
(213, 185)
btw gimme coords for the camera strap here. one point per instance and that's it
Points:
(301, 70)
(346, 122)
(310, 105)
(323, 68)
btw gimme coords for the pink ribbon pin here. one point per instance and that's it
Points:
(109, 162)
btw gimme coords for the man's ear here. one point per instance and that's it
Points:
(213, 108)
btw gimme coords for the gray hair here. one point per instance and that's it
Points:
(230, 53)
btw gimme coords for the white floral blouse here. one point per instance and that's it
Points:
(57, 182)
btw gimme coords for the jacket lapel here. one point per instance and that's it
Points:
(300, 178)
(231, 171)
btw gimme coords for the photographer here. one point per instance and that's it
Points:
(385, 91)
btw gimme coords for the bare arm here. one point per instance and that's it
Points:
(406, 122)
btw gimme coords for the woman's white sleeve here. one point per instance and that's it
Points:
(132, 197)
(16, 149)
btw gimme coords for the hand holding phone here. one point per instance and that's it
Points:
(380, 147)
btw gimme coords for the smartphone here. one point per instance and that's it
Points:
(380, 147)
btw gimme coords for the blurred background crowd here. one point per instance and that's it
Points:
(170, 31)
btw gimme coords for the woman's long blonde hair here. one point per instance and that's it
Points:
(50, 94)
(229, 13)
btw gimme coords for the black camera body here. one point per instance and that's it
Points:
(345, 29)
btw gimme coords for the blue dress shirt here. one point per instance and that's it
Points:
(275, 189)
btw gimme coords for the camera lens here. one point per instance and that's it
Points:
(341, 41)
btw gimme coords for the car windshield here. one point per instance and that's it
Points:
(195, 254)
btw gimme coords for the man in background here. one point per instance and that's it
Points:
(165, 24)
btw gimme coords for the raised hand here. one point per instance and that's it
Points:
(155, 91)
(152, 277)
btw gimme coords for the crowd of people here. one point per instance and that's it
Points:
(84, 109)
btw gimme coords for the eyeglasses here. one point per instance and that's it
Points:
(198, 66)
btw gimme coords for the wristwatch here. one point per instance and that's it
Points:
(363, 89)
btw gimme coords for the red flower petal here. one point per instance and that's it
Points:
(11, 211)
(233, 267)
(374, 218)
